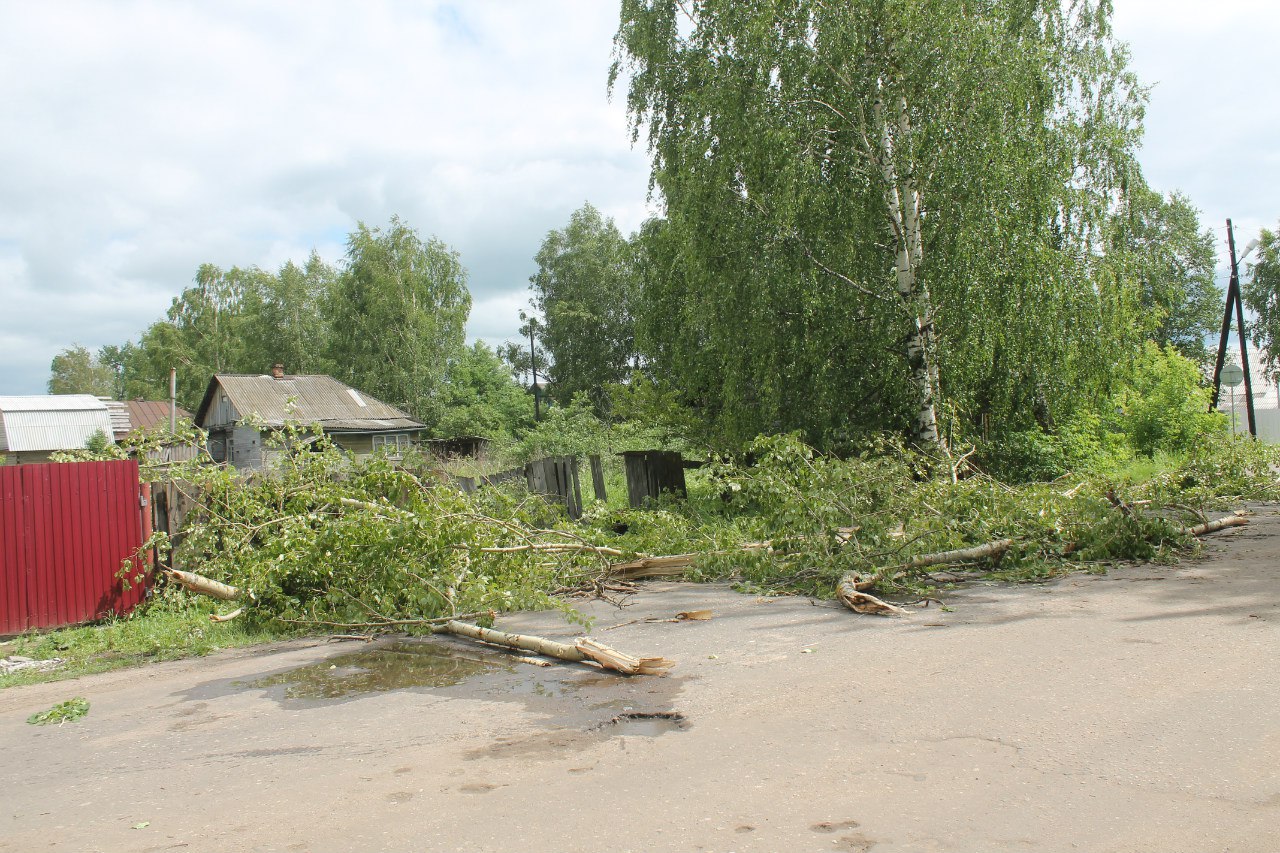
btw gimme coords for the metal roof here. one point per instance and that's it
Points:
(51, 422)
(145, 414)
(306, 399)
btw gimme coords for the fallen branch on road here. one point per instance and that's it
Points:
(863, 602)
(582, 650)
(1217, 524)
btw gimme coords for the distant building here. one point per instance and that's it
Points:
(355, 421)
(34, 427)
(1266, 401)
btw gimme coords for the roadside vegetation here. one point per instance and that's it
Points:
(324, 544)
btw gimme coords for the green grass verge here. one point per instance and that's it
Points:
(156, 633)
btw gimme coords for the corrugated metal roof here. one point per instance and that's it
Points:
(307, 399)
(52, 422)
(145, 414)
(51, 402)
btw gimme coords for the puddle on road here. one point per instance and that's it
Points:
(645, 724)
(578, 705)
(394, 666)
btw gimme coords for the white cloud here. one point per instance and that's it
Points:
(1212, 127)
(148, 138)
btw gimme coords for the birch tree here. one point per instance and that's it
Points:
(584, 291)
(945, 165)
(397, 316)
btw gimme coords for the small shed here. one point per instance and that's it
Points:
(459, 447)
(36, 426)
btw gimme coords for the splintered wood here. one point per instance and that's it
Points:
(203, 585)
(582, 650)
(862, 602)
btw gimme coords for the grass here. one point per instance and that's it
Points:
(1142, 469)
(159, 632)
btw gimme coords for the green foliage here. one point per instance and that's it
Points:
(572, 430)
(1164, 406)
(64, 712)
(171, 624)
(781, 134)
(1159, 242)
(241, 320)
(322, 539)
(397, 317)
(98, 442)
(389, 322)
(584, 289)
(482, 398)
(1261, 293)
(1025, 457)
(874, 512)
(77, 371)
(1219, 471)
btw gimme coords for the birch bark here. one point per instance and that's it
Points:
(902, 199)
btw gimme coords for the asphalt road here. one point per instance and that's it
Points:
(1139, 711)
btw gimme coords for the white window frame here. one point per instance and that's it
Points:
(395, 444)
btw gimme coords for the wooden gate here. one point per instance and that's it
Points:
(65, 529)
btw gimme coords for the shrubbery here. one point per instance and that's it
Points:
(1160, 409)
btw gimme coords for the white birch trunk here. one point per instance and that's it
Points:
(903, 201)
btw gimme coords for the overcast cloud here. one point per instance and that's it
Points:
(144, 139)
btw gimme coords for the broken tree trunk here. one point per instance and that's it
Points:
(650, 567)
(861, 602)
(582, 650)
(852, 589)
(978, 552)
(1216, 525)
(204, 585)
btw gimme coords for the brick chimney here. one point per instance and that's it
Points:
(277, 371)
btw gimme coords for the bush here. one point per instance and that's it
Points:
(1024, 457)
(1165, 406)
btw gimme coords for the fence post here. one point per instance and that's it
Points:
(556, 477)
(652, 472)
(597, 476)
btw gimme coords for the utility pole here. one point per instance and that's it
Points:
(1234, 302)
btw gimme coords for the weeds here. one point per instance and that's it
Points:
(64, 712)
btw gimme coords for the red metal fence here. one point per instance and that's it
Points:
(64, 530)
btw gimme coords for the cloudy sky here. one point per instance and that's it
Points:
(145, 138)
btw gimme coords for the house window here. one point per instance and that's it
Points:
(394, 445)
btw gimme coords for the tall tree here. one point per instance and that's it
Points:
(75, 370)
(284, 320)
(482, 397)
(584, 289)
(397, 316)
(886, 204)
(116, 359)
(1261, 293)
(1160, 241)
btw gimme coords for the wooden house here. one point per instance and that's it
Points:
(354, 421)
